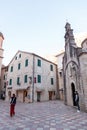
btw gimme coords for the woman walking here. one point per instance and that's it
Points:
(12, 105)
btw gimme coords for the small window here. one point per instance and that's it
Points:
(16, 58)
(39, 78)
(51, 67)
(39, 62)
(18, 80)
(25, 78)
(11, 68)
(4, 84)
(19, 55)
(26, 62)
(19, 66)
(60, 74)
(4, 77)
(52, 81)
(10, 82)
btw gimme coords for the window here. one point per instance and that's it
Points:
(11, 68)
(51, 67)
(4, 84)
(39, 78)
(19, 55)
(10, 82)
(51, 81)
(60, 74)
(39, 62)
(18, 80)
(25, 79)
(26, 62)
(4, 77)
(19, 66)
(16, 58)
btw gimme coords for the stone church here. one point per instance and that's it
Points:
(74, 70)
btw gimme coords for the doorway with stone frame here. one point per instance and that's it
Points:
(38, 96)
(73, 93)
(9, 94)
(50, 95)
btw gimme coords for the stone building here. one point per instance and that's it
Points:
(74, 70)
(3, 84)
(59, 60)
(31, 78)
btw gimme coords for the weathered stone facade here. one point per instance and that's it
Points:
(32, 78)
(74, 70)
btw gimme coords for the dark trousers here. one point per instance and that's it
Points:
(78, 105)
(12, 110)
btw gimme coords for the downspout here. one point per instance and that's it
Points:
(57, 83)
(33, 78)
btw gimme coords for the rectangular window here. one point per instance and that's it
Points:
(52, 81)
(4, 84)
(25, 78)
(51, 67)
(60, 73)
(16, 58)
(39, 62)
(39, 78)
(4, 77)
(19, 55)
(11, 68)
(10, 82)
(19, 66)
(26, 62)
(18, 80)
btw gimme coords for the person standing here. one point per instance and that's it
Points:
(12, 105)
(77, 101)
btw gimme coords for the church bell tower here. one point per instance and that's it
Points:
(1, 50)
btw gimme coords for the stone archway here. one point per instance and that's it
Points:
(73, 93)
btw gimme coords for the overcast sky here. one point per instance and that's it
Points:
(37, 26)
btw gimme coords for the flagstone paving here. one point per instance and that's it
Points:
(52, 115)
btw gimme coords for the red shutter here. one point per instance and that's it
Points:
(34, 79)
(6, 83)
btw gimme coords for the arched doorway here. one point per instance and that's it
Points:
(73, 93)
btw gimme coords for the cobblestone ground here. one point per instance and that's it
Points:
(52, 115)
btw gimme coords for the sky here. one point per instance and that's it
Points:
(38, 26)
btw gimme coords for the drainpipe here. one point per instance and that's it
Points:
(57, 83)
(33, 78)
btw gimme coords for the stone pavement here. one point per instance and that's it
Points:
(52, 115)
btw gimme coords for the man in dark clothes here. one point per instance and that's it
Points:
(77, 100)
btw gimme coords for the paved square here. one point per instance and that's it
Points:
(52, 115)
